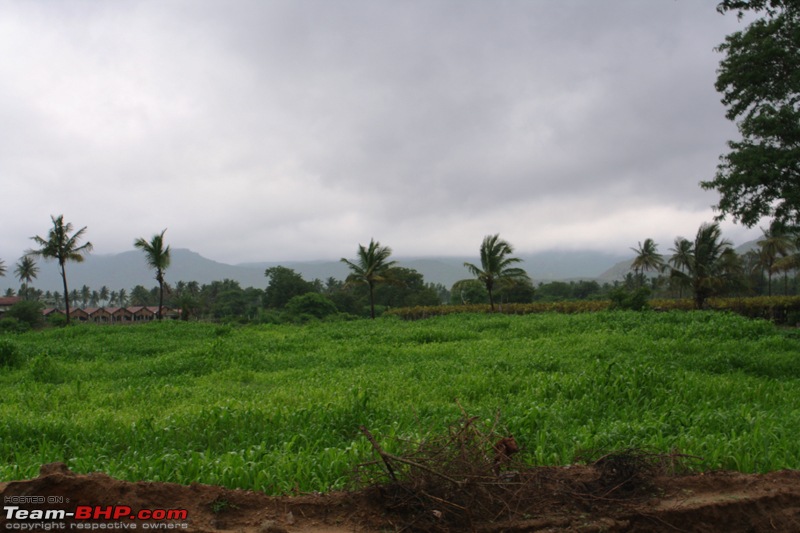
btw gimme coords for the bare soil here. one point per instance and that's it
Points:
(559, 499)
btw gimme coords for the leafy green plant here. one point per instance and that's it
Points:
(12, 325)
(220, 505)
(27, 312)
(44, 369)
(311, 304)
(9, 353)
(57, 320)
(277, 407)
(635, 300)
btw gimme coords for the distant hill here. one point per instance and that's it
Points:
(746, 247)
(617, 272)
(541, 266)
(128, 269)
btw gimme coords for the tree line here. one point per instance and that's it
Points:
(703, 267)
(287, 295)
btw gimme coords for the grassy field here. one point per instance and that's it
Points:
(277, 408)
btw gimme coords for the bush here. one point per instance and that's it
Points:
(45, 369)
(27, 312)
(12, 325)
(269, 316)
(57, 320)
(629, 300)
(313, 304)
(9, 354)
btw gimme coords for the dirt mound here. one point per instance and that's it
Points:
(567, 499)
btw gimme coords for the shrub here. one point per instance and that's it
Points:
(269, 316)
(45, 369)
(313, 304)
(10, 324)
(57, 320)
(27, 312)
(9, 354)
(629, 300)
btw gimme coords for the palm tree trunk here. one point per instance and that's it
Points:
(160, 299)
(371, 302)
(66, 290)
(699, 294)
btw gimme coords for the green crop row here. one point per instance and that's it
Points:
(278, 408)
(779, 309)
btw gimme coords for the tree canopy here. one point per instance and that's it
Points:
(285, 284)
(370, 267)
(158, 258)
(496, 264)
(708, 265)
(63, 247)
(759, 80)
(647, 258)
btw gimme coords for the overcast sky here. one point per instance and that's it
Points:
(283, 130)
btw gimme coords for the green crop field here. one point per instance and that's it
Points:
(278, 408)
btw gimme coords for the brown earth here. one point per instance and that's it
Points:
(556, 499)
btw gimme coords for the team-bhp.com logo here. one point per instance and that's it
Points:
(93, 517)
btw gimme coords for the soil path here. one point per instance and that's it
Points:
(709, 502)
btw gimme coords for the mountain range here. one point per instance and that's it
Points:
(128, 269)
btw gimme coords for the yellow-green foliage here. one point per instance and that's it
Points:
(775, 308)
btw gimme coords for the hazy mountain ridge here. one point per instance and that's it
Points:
(128, 269)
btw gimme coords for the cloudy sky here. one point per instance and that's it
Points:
(260, 130)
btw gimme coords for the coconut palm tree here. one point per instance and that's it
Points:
(158, 258)
(708, 264)
(2, 268)
(74, 295)
(104, 294)
(774, 245)
(791, 261)
(647, 258)
(86, 295)
(370, 267)
(496, 264)
(26, 272)
(680, 260)
(63, 247)
(122, 298)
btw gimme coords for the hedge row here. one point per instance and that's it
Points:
(779, 309)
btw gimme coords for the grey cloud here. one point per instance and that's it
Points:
(281, 122)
